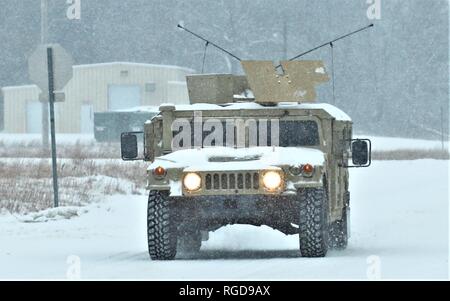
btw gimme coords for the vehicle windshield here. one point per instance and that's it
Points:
(299, 133)
(245, 133)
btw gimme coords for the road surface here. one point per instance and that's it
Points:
(399, 230)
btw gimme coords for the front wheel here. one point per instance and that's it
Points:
(313, 223)
(161, 226)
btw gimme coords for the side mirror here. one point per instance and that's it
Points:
(129, 146)
(361, 153)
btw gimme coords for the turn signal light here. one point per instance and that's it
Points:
(307, 169)
(159, 171)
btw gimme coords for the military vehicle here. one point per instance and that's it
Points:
(108, 126)
(253, 149)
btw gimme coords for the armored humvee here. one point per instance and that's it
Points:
(108, 126)
(253, 149)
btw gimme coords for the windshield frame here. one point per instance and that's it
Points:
(300, 118)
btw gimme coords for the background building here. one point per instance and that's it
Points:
(95, 88)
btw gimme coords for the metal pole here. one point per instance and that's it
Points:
(44, 39)
(442, 129)
(51, 97)
(285, 41)
(332, 73)
(44, 21)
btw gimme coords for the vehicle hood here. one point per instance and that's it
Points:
(229, 159)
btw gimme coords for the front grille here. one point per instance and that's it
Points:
(232, 181)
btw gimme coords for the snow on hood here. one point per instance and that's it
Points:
(227, 159)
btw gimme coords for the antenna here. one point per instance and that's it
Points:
(332, 72)
(208, 42)
(329, 43)
(204, 57)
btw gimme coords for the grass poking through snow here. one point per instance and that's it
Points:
(26, 185)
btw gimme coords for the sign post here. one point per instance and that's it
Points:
(51, 97)
(442, 129)
(50, 68)
(44, 38)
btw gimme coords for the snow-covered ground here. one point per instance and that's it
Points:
(395, 143)
(399, 230)
(66, 139)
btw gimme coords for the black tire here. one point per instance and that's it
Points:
(161, 227)
(189, 241)
(313, 223)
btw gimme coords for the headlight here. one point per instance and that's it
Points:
(272, 180)
(192, 181)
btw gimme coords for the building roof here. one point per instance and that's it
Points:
(110, 64)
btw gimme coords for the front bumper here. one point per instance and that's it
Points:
(235, 183)
(278, 212)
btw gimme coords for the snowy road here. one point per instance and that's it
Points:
(399, 230)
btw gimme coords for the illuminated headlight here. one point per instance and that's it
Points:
(192, 181)
(272, 180)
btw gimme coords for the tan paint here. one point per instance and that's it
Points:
(215, 88)
(332, 144)
(268, 87)
(296, 83)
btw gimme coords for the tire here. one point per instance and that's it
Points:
(313, 223)
(189, 242)
(161, 227)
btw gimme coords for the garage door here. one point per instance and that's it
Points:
(87, 119)
(34, 117)
(123, 97)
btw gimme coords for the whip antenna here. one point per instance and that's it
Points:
(208, 42)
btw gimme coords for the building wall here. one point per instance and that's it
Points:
(90, 85)
(177, 92)
(15, 103)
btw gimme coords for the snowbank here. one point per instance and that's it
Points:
(67, 139)
(395, 143)
(52, 214)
